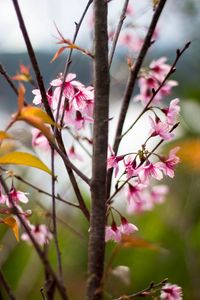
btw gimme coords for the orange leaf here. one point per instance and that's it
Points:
(12, 223)
(4, 135)
(129, 241)
(21, 93)
(58, 53)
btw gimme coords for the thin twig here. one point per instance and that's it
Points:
(131, 82)
(6, 287)
(55, 232)
(39, 190)
(151, 289)
(8, 79)
(41, 254)
(117, 32)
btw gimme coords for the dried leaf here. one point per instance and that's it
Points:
(12, 223)
(25, 159)
(21, 94)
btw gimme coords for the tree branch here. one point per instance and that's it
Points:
(99, 160)
(6, 287)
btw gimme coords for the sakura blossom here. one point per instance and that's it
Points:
(159, 68)
(40, 232)
(115, 232)
(17, 197)
(3, 198)
(126, 227)
(172, 111)
(39, 140)
(158, 193)
(150, 170)
(113, 160)
(159, 128)
(167, 165)
(171, 292)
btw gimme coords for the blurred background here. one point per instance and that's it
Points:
(168, 244)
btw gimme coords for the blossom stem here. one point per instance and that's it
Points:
(55, 232)
(8, 79)
(117, 31)
(152, 288)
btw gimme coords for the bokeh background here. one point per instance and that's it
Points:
(169, 244)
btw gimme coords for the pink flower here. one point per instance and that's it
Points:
(41, 234)
(113, 233)
(3, 198)
(159, 68)
(158, 193)
(172, 112)
(68, 91)
(131, 41)
(150, 170)
(161, 129)
(167, 165)
(39, 140)
(113, 160)
(17, 196)
(171, 292)
(73, 154)
(126, 227)
(38, 98)
(130, 167)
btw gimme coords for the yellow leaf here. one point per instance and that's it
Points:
(28, 111)
(129, 241)
(12, 223)
(4, 135)
(25, 159)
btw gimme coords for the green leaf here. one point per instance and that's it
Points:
(25, 159)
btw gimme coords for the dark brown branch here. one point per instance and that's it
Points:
(6, 287)
(55, 231)
(8, 79)
(32, 57)
(117, 32)
(132, 80)
(100, 145)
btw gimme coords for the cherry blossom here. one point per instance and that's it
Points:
(167, 165)
(159, 128)
(158, 193)
(171, 292)
(126, 227)
(113, 233)
(113, 160)
(17, 197)
(3, 198)
(159, 68)
(150, 170)
(40, 232)
(39, 140)
(172, 111)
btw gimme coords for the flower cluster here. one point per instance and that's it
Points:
(139, 169)
(76, 104)
(115, 232)
(40, 232)
(151, 79)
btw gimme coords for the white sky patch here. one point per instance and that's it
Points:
(40, 15)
